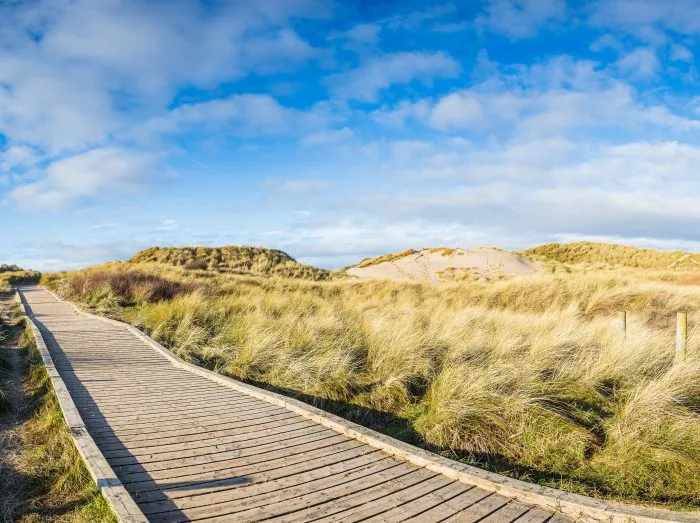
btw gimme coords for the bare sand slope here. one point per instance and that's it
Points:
(448, 264)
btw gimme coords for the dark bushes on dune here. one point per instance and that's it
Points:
(128, 285)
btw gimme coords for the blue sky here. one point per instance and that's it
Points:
(337, 130)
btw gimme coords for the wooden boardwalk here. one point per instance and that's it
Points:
(189, 449)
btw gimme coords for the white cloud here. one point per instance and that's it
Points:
(327, 136)
(640, 63)
(168, 225)
(457, 110)
(406, 151)
(557, 98)
(48, 254)
(18, 156)
(282, 51)
(359, 37)
(521, 18)
(647, 19)
(246, 114)
(74, 74)
(296, 186)
(405, 110)
(96, 174)
(377, 74)
(544, 188)
(607, 41)
(680, 53)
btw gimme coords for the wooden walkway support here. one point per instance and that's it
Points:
(188, 447)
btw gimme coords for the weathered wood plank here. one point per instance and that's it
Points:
(452, 506)
(379, 506)
(426, 502)
(194, 483)
(268, 485)
(255, 442)
(290, 453)
(231, 507)
(480, 510)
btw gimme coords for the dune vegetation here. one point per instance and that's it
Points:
(528, 376)
(257, 261)
(12, 275)
(607, 255)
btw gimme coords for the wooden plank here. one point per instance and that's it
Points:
(139, 420)
(415, 507)
(151, 428)
(195, 434)
(232, 507)
(221, 465)
(218, 447)
(452, 506)
(329, 509)
(190, 462)
(375, 507)
(268, 485)
(480, 510)
(164, 410)
(507, 514)
(194, 483)
(305, 507)
(124, 408)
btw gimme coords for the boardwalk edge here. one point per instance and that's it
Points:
(122, 504)
(571, 505)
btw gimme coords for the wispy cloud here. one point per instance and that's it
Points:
(99, 174)
(376, 74)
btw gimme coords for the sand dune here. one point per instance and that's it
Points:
(447, 264)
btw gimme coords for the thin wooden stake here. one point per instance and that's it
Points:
(681, 336)
(622, 319)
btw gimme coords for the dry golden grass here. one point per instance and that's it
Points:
(16, 276)
(257, 261)
(610, 255)
(368, 262)
(527, 376)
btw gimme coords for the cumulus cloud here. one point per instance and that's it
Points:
(553, 99)
(640, 63)
(376, 74)
(72, 74)
(680, 53)
(18, 156)
(647, 19)
(544, 188)
(328, 136)
(96, 174)
(520, 18)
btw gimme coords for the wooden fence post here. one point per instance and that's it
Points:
(681, 336)
(622, 319)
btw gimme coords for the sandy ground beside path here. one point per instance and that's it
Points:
(13, 485)
(442, 264)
